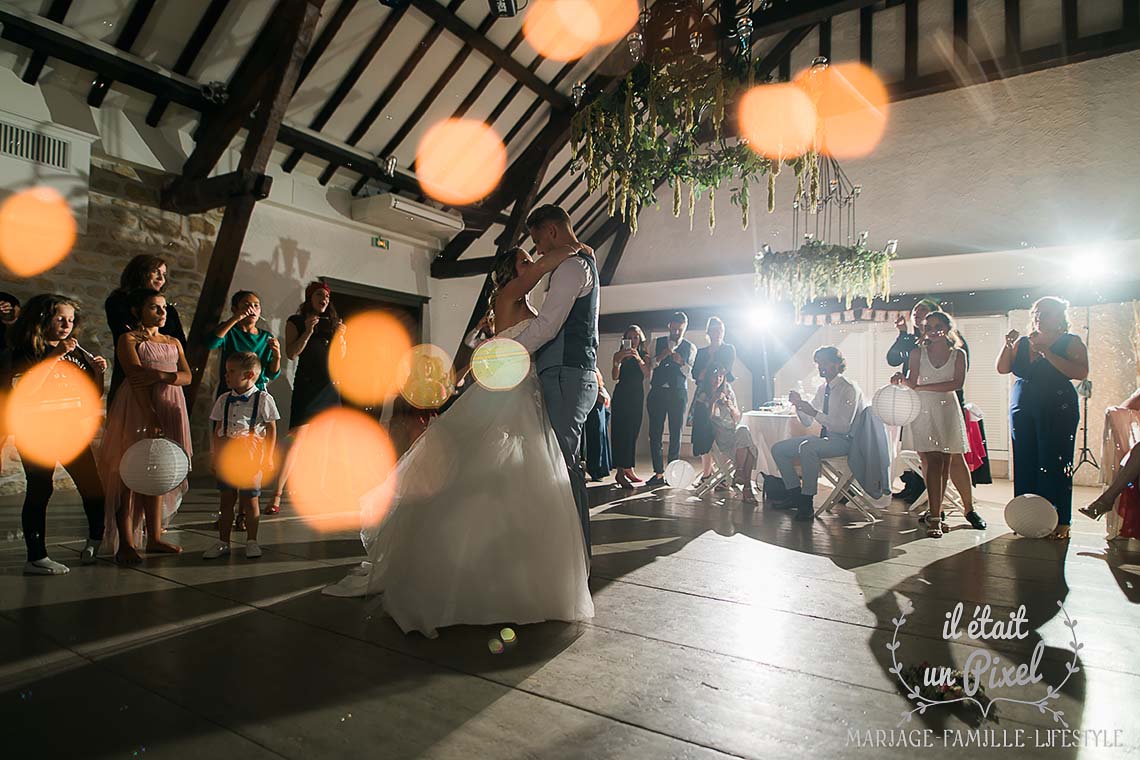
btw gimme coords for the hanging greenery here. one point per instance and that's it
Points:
(817, 268)
(665, 124)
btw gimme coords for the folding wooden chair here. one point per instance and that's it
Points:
(845, 486)
(723, 470)
(952, 501)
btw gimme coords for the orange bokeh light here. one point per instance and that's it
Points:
(344, 457)
(779, 120)
(37, 231)
(240, 464)
(369, 372)
(429, 379)
(54, 411)
(565, 30)
(852, 105)
(460, 161)
(615, 19)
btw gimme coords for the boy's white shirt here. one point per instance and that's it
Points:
(240, 413)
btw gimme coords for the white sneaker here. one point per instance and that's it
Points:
(221, 550)
(252, 550)
(45, 566)
(90, 550)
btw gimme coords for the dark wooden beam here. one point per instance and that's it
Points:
(613, 258)
(446, 270)
(409, 123)
(565, 193)
(246, 87)
(1131, 14)
(447, 18)
(785, 74)
(825, 38)
(1069, 26)
(57, 12)
(58, 41)
(198, 196)
(488, 76)
(910, 40)
(784, 16)
(585, 197)
(294, 24)
(189, 54)
(1012, 29)
(533, 108)
(349, 80)
(528, 190)
(866, 34)
(1047, 57)
(324, 39)
(126, 39)
(962, 32)
(609, 228)
(550, 183)
(385, 97)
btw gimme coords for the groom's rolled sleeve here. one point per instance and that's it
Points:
(566, 286)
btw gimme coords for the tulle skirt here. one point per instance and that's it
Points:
(483, 527)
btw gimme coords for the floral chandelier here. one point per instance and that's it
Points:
(831, 260)
(666, 121)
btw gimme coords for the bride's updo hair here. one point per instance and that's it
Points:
(503, 271)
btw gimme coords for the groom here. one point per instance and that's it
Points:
(564, 341)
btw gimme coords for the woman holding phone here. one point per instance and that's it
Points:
(630, 369)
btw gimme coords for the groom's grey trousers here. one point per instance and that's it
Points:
(570, 393)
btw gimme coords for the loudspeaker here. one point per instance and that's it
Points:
(503, 8)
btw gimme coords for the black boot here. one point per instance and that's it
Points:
(805, 508)
(786, 500)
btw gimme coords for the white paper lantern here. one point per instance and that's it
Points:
(896, 404)
(154, 466)
(680, 474)
(1031, 516)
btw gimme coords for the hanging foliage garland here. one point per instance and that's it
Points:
(818, 269)
(664, 124)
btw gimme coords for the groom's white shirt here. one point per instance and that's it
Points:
(569, 282)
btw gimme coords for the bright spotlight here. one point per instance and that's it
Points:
(1089, 267)
(762, 317)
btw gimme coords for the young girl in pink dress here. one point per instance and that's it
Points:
(149, 404)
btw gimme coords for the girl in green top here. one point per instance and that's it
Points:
(240, 333)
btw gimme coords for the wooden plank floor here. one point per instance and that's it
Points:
(720, 632)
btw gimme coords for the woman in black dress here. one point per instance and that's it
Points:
(630, 370)
(143, 272)
(309, 336)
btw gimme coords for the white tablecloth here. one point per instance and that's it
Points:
(766, 429)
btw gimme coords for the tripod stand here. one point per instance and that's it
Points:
(1084, 390)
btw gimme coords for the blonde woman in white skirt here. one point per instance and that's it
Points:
(937, 371)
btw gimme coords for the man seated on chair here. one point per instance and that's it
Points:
(835, 407)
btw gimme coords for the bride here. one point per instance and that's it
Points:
(482, 527)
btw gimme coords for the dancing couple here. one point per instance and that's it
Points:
(489, 522)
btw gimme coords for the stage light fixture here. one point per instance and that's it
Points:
(503, 8)
(762, 317)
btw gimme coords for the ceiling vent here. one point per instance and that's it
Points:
(35, 147)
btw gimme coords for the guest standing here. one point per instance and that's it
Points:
(668, 392)
(240, 333)
(630, 369)
(45, 332)
(9, 313)
(143, 272)
(937, 370)
(150, 403)
(310, 336)
(716, 353)
(596, 435)
(1043, 406)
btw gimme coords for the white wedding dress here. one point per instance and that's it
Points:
(482, 527)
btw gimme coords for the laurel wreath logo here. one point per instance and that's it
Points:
(1041, 704)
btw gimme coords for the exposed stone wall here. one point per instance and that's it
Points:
(123, 221)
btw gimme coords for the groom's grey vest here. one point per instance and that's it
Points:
(576, 344)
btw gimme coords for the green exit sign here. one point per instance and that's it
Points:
(381, 243)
